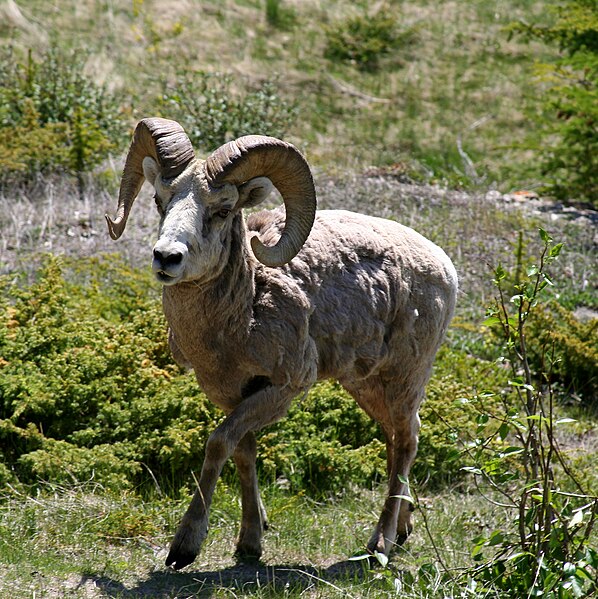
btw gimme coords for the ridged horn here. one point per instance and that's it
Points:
(259, 156)
(167, 143)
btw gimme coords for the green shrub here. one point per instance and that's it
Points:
(565, 349)
(87, 386)
(567, 137)
(363, 40)
(561, 348)
(279, 16)
(325, 443)
(88, 389)
(547, 549)
(28, 147)
(53, 117)
(212, 112)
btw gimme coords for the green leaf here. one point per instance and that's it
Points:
(511, 451)
(496, 538)
(577, 518)
(499, 273)
(404, 498)
(503, 431)
(569, 569)
(382, 559)
(544, 236)
(359, 558)
(492, 320)
(516, 299)
(555, 250)
(547, 279)
(565, 420)
(471, 470)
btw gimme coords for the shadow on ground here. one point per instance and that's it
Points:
(244, 578)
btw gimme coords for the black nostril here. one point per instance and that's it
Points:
(173, 259)
(168, 259)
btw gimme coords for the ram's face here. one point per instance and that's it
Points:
(200, 202)
(196, 223)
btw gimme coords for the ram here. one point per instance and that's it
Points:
(262, 308)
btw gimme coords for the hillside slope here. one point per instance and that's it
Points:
(437, 90)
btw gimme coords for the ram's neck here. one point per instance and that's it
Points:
(215, 316)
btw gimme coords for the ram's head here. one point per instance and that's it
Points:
(200, 200)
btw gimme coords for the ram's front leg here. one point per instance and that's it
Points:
(193, 528)
(264, 407)
(253, 517)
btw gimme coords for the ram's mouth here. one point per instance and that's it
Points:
(165, 278)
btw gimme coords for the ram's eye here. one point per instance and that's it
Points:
(223, 212)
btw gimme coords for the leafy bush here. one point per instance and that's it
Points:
(566, 349)
(567, 141)
(53, 117)
(212, 112)
(365, 39)
(546, 551)
(561, 348)
(325, 443)
(88, 389)
(28, 147)
(279, 16)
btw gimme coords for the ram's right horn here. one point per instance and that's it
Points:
(167, 143)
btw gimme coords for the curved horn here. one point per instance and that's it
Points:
(260, 156)
(167, 143)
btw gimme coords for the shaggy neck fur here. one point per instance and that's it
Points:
(210, 321)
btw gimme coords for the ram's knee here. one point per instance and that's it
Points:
(218, 447)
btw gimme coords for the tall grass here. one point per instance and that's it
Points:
(448, 104)
(83, 541)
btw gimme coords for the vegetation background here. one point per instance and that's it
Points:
(474, 122)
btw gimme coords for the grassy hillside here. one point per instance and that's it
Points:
(411, 110)
(439, 97)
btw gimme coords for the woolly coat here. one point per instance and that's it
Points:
(366, 299)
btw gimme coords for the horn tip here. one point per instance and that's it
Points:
(268, 256)
(113, 228)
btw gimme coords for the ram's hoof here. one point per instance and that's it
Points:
(247, 554)
(376, 545)
(178, 559)
(186, 544)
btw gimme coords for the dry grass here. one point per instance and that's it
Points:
(307, 548)
(461, 81)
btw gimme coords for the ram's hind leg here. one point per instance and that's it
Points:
(253, 518)
(401, 432)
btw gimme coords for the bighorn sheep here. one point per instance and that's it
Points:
(363, 300)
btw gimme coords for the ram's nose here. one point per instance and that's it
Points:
(169, 261)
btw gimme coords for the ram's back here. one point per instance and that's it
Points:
(381, 295)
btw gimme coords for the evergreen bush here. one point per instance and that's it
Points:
(88, 389)
(212, 110)
(365, 39)
(54, 117)
(567, 115)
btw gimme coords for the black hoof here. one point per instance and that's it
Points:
(247, 556)
(178, 560)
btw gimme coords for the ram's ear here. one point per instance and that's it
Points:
(254, 191)
(151, 170)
